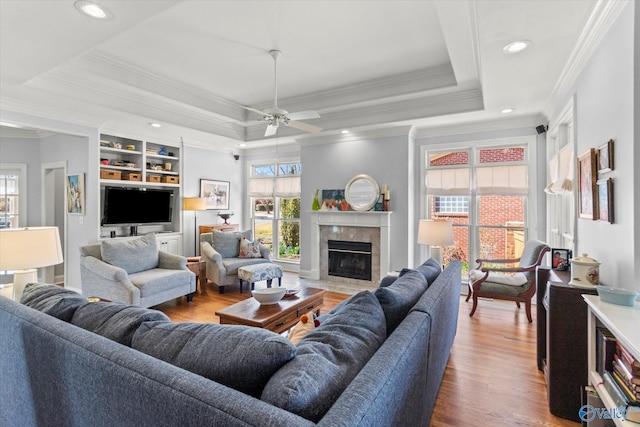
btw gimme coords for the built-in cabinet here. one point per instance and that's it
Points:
(622, 322)
(135, 162)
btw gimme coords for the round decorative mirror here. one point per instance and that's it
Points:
(362, 192)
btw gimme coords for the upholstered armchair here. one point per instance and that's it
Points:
(135, 272)
(508, 283)
(221, 252)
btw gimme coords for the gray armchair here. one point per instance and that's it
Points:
(221, 252)
(489, 280)
(135, 272)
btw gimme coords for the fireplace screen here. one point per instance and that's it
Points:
(349, 259)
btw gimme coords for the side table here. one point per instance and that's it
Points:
(199, 267)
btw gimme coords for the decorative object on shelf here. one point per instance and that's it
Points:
(617, 295)
(130, 147)
(225, 216)
(25, 249)
(585, 271)
(216, 193)
(605, 200)
(435, 233)
(163, 151)
(75, 194)
(560, 259)
(605, 157)
(587, 191)
(331, 198)
(315, 206)
(194, 204)
(362, 192)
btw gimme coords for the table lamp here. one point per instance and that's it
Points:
(435, 233)
(194, 204)
(26, 249)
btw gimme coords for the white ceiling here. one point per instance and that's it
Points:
(191, 65)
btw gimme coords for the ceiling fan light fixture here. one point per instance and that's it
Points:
(516, 46)
(92, 9)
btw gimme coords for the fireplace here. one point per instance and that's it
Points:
(349, 259)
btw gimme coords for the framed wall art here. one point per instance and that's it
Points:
(215, 193)
(587, 191)
(605, 200)
(605, 157)
(75, 194)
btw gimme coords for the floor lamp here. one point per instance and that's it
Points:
(435, 233)
(26, 249)
(194, 204)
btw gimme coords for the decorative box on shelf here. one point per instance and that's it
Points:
(131, 176)
(110, 174)
(153, 178)
(170, 179)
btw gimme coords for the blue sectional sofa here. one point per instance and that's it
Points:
(56, 372)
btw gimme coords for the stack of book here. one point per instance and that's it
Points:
(623, 382)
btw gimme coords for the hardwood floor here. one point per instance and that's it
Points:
(491, 378)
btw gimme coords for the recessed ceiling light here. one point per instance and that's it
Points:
(92, 9)
(516, 46)
(345, 131)
(10, 125)
(242, 144)
(508, 110)
(155, 125)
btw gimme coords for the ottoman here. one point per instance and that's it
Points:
(255, 272)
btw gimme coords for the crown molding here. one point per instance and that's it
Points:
(528, 121)
(602, 18)
(334, 138)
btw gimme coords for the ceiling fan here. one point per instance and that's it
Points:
(277, 116)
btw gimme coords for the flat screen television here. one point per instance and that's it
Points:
(135, 206)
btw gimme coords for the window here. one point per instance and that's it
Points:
(12, 195)
(484, 191)
(274, 191)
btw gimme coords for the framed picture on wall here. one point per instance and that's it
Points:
(605, 199)
(74, 194)
(587, 191)
(215, 193)
(605, 157)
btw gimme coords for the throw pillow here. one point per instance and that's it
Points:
(328, 359)
(249, 249)
(240, 357)
(397, 299)
(52, 300)
(517, 279)
(306, 324)
(430, 269)
(114, 320)
(132, 255)
(227, 243)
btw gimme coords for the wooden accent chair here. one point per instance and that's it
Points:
(490, 281)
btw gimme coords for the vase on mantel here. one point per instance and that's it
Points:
(315, 206)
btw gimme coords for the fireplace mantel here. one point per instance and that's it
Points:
(380, 220)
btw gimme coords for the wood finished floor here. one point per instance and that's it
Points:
(491, 378)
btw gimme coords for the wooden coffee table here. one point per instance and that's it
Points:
(275, 317)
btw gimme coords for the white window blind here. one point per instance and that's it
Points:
(512, 179)
(285, 186)
(448, 182)
(562, 182)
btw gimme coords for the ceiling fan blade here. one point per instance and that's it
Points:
(304, 115)
(303, 126)
(271, 130)
(262, 113)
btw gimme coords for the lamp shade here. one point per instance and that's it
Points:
(436, 232)
(194, 204)
(31, 247)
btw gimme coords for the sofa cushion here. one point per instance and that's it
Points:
(52, 300)
(227, 243)
(114, 320)
(156, 280)
(516, 279)
(249, 249)
(430, 269)
(328, 358)
(397, 299)
(387, 280)
(241, 357)
(132, 255)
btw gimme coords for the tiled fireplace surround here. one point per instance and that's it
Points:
(369, 227)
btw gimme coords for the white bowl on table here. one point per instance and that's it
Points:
(269, 295)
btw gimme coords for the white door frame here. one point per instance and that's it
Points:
(44, 169)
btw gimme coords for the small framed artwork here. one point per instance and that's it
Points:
(605, 157)
(75, 194)
(560, 259)
(605, 200)
(587, 194)
(215, 193)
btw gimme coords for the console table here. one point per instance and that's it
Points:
(562, 340)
